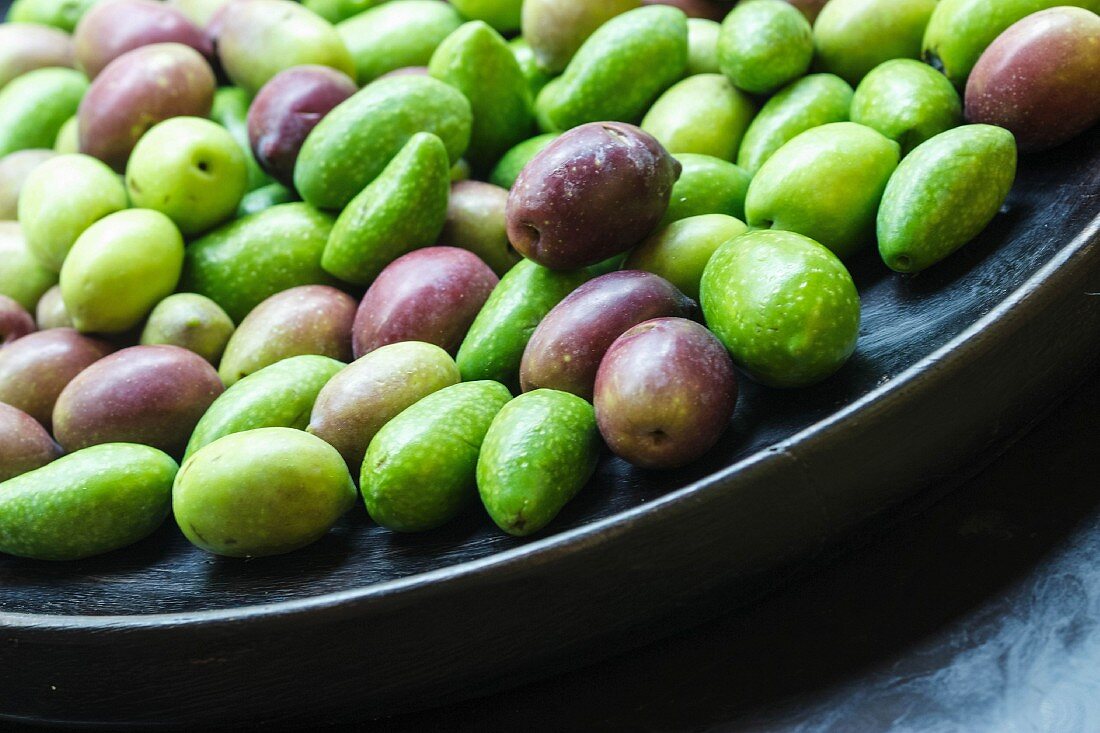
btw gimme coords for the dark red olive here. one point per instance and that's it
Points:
(286, 109)
(665, 392)
(566, 349)
(594, 192)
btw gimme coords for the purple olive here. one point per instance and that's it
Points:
(593, 193)
(709, 9)
(136, 91)
(153, 395)
(286, 109)
(15, 321)
(565, 350)
(28, 46)
(665, 392)
(35, 369)
(24, 443)
(113, 27)
(431, 295)
(1040, 79)
(309, 319)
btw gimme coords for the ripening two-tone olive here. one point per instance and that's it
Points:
(557, 28)
(1040, 79)
(431, 295)
(566, 348)
(24, 443)
(136, 91)
(153, 395)
(110, 28)
(35, 369)
(309, 319)
(354, 405)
